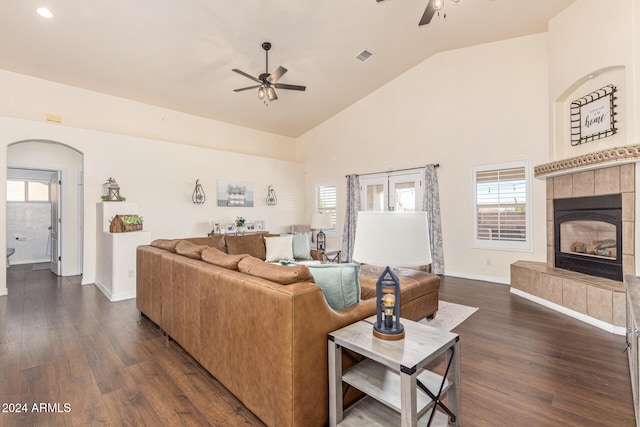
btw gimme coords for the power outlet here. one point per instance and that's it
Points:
(487, 261)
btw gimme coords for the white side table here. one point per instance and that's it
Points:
(393, 374)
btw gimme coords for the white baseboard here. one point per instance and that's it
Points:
(617, 330)
(29, 261)
(117, 297)
(494, 279)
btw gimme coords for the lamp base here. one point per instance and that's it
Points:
(392, 334)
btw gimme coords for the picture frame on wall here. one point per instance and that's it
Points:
(594, 116)
(239, 194)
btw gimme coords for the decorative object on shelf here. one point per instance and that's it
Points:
(320, 221)
(272, 199)
(111, 191)
(260, 225)
(198, 197)
(394, 239)
(218, 228)
(125, 223)
(594, 116)
(240, 222)
(235, 194)
(230, 228)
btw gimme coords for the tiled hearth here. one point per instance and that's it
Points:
(598, 301)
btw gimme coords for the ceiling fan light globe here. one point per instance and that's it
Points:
(261, 93)
(271, 94)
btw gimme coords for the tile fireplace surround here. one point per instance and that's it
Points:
(598, 301)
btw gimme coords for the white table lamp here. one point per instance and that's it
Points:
(391, 239)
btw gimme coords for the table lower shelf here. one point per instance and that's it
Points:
(383, 385)
(368, 412)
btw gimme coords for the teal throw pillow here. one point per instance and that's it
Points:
(301, 246)
(340, 283)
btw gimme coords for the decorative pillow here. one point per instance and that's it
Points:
(301, 246)
(278, 248)
(284, 275)
(167, 245)
(217, 257)
(189, 249)
(340, 283)
(252, 244)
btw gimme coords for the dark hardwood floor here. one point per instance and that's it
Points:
(66, 346)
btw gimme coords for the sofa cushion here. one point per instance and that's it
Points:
(222, 259)
(340, 283)
(302, 246)
(252, 244)
(278, 248)
(284, 275)
(167, 245)
(216, 241)
(188, 249)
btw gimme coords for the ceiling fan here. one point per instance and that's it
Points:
(268, 81)
(432, 7)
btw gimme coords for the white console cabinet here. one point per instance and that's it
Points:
(116, 252)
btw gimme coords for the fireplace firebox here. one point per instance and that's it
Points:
(588, 235)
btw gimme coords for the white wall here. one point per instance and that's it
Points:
(476, 105)
(160, 177)
(584, 40)
(33, 99)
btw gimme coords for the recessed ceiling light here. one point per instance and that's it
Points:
(44, 12)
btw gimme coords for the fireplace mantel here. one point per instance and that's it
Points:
(598, 159)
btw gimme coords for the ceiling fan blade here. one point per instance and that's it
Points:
(279, 72)
(247, 88)
(428, 13)
(249, 76)
(291, 87)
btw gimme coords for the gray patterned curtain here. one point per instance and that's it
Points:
(351, 216)
(431, 205)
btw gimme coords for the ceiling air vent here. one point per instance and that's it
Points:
(364, 55)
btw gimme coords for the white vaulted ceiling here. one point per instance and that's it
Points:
(178, 54)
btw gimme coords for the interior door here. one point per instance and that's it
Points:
(54, 239)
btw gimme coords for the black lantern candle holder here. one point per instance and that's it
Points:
(388, 326)
(113, 190)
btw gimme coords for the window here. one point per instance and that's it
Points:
(27, 191)
(326, 197)
(502, 217)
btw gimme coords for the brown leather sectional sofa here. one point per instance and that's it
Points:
(260, 329)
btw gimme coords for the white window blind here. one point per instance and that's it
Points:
(37, 191)
(16, 191)
(502, 206)
(326, 201)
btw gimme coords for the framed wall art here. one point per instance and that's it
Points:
(235, 193)
(594, 116)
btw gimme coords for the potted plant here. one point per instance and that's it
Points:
(240, 221)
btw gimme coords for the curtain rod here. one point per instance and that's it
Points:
(437, 165)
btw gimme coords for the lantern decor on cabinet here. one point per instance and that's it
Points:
(394, 239)
(198, 197)
(111, 191)
(272, 200)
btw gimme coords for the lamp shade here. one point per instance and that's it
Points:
(396, 239)
(320, 221)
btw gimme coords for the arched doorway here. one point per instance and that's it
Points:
(61, 163)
